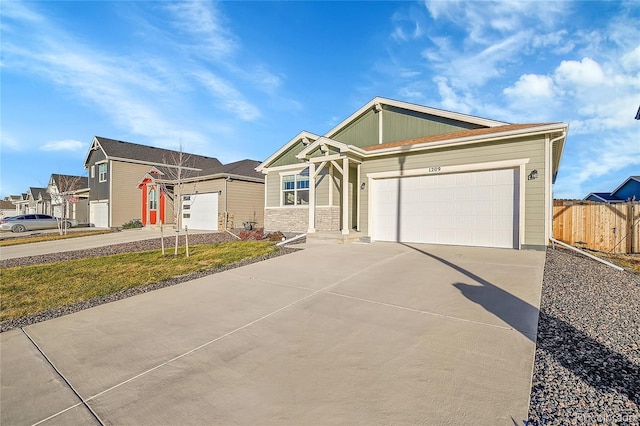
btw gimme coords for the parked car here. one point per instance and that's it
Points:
(30, 222)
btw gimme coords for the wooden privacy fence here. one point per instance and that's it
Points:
(613, 228)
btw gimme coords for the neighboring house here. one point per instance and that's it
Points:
(21, 203)
(628, 191)
(222, 197)
(131, 181)
(395, 171)
(7, 206)
(38, 201)
(69, 197)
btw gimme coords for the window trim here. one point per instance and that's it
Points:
(102, 176)
(295, 174)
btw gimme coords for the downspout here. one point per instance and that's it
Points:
(549, 178)
(226, 203)
(554, 241)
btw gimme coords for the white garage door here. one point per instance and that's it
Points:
(99, 214)
(200, 211)
(471, 209)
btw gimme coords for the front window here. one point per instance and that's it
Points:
(153, 200)
(295, 189)
(102, 172)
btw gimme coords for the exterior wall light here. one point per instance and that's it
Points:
(363, 186)
(533, 175)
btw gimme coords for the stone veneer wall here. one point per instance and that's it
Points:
(295, 219)
(328, 218)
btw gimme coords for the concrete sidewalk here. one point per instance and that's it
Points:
(81, 243)
(333, 334)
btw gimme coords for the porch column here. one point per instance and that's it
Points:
(356, 192)
(312, 199)
(147, 210)
(345, 196)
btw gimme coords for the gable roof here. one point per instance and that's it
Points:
(7, 205)
(300, 136)
(378, 102)
(145, 154)
(486, 127)
(73, 182)
(39, 193)
(631, 178)
(606, 197)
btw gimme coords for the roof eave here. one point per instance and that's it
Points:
(545, 129)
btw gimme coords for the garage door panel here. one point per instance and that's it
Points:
(474, 208)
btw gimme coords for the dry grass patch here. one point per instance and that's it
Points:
(29, 290)
(48, 237)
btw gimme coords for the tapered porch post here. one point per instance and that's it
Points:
(312, 199)
(345, 196)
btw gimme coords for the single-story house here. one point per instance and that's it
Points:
(7, 206)
(69, 197)
(396, 171)
(629, 190)
(130, 181)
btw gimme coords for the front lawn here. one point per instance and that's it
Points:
(29, 290)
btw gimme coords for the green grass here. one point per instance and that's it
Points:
(28, 290)
(48, 237)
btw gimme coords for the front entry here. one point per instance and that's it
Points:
(153, 204)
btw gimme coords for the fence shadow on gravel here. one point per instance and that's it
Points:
(594, 363)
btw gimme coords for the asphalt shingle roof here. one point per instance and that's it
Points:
(73, 182)
(151, 154)
(455, 135)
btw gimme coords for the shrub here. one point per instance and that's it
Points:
(255, 234)
(132, 224)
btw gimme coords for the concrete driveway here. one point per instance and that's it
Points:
(335, 334)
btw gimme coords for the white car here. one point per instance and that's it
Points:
(30, 222)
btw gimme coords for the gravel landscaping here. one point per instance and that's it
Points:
(587, 365)
(152, 244)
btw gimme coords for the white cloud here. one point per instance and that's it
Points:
(584, 73)
(532, 86)
(203, 22)
(231, 98)
(64, 145)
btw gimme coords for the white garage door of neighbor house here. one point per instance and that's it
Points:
(99, 214)
(200, 211)
(470, 209)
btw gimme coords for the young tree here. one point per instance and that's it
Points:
(178, 168)
(63, 194)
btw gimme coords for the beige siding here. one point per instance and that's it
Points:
(126, 198)
(531, 148)
(246, 203)
(273, 189)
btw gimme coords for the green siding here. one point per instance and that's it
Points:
(322, 187)
(362, 132)
(400, 124)
(289, 156)
(532, 148)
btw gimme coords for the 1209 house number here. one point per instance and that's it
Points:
(434, 169)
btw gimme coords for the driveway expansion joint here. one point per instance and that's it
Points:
(66, 381)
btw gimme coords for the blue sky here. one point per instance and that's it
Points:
(238, 79)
